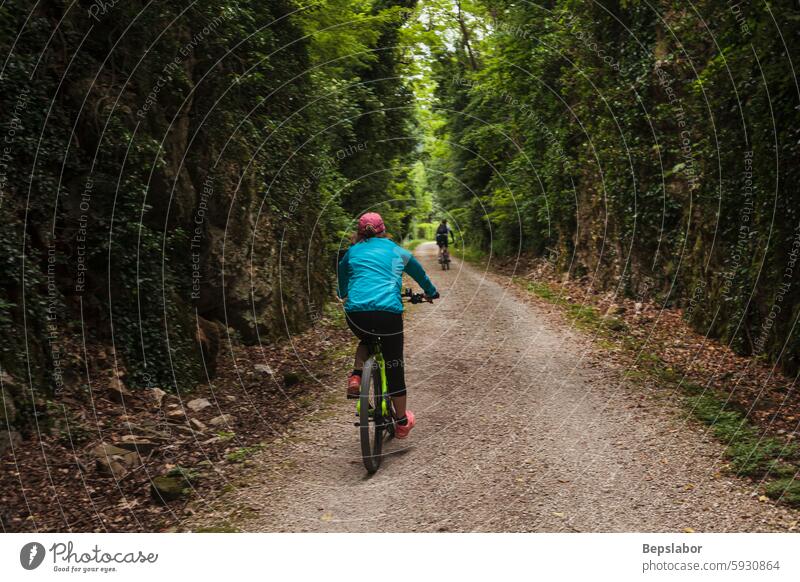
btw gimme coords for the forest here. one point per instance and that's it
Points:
(131, 170)
(179, 178)
(649, 146)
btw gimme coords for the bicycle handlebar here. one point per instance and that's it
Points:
(416, 297)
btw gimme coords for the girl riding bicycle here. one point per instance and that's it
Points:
(371, 278)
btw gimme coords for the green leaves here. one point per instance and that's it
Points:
(637, 129)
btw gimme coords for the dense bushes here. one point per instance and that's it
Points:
(650, 146)
(183, 162)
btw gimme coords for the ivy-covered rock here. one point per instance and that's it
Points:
(189, 164)
(645, 146)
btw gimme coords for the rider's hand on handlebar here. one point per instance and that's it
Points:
(430, 298)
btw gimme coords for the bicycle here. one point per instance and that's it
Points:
(444, 259)
(374, 408)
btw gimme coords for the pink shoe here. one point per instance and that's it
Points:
(401, 431)
(353, 385)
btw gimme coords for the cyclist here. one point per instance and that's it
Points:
(370, 278)
(443, 232)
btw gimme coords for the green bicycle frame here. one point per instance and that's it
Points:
(378, 356)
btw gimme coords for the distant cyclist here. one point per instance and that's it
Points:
(443, 236)
(371, 278)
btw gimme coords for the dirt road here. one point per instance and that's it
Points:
(522, 426)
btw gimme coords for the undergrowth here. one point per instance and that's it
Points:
(413, 243)
(469, 254)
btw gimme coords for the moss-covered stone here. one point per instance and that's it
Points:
(165, 488)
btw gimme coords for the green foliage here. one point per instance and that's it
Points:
(344, 33)
(242, 454)
(544, 291)
(225, 435)
(623, 141)
(786, 489)
(425, 230)
(188, 476)
(750, 453)
(412, 244)
(259, 129)
(470, 254)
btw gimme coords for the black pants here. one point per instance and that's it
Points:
(387, 328)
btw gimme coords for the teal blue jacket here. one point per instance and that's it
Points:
(371, 276)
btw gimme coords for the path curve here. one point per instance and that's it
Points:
(521, 427)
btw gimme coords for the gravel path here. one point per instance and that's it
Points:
(521, 426)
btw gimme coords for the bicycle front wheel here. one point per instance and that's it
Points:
(370, 416)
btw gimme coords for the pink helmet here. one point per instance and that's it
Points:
(370, 224)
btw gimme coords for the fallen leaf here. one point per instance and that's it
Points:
(688, 530)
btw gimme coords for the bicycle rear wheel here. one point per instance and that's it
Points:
(370, 416)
